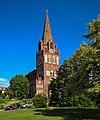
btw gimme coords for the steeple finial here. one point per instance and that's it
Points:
(46, 10)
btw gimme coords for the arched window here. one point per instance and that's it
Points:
(51, 45)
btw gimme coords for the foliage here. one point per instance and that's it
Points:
(2, 100)
(20, 86)
(78, 101)
(72, 80)
(40, 101)
(80, 74)
(57, 86)
(94, 34)
(8, 94)
(1, 106)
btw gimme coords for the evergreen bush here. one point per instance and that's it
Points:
(40, 101)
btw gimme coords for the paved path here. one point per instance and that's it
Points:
(1, 110)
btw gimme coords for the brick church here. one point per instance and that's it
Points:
(47, 62)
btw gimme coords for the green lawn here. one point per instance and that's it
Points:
(51, 114)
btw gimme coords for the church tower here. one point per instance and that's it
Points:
(47, 59)
(47, 62)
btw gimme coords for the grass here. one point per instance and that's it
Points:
(51, 114)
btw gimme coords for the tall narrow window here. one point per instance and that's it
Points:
(51, 45)
(54, 59)
(52, 73)
(45, 58)
(49, 59)
(57, 61)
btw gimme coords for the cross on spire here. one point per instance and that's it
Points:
(46, 10)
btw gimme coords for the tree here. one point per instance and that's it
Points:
(80, 74)
(94, 35)
(86, 56)
(20, 86)
(62, 83)
(74, 76)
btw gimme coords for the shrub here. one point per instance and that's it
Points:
(83, 101)
(1, 106)
(39, 101)
(2, 100)
(78, 101)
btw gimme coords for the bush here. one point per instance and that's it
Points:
(39, 101)
(78, 101)
(83, 101)
(2, 100)
(1, 106)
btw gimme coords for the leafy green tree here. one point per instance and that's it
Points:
(73, 76)
(20, 86)
(94, 35)
(80, 74)
(62, 83)
(86, 56)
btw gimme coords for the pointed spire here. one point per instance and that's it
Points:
(47, 35)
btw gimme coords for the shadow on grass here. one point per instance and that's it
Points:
(71, 113)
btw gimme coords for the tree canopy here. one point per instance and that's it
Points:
(80, 74)
(20, 86)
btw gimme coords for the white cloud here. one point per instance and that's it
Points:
(4, 82)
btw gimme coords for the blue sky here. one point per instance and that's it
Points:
(21, 27)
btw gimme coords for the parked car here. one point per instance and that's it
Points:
(30, 105)
(18, 105)
(8, 107)
(24, 105)
(27, 105)
(13, 106)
